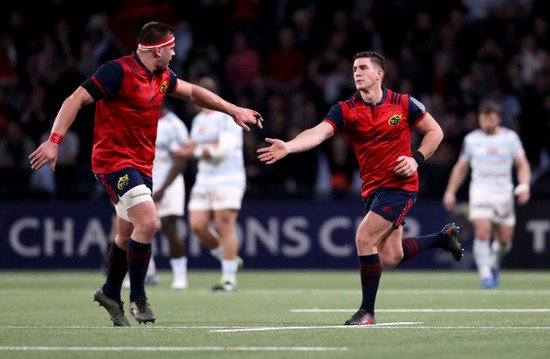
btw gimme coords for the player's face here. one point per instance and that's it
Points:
(166, 54)
(366, 74)
(489, 123)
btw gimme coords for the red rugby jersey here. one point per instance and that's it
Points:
(127, 114)
(379, 134)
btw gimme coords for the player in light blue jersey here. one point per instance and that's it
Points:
(169, 188)
(219, 187)
(491, 151)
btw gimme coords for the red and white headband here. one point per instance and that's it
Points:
(164, 43)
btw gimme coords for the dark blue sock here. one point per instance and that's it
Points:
(370, 268)
(414, 246)
(115, 272)
(138, 255)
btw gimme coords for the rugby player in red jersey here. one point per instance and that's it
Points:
(128, 93)
(378, 123)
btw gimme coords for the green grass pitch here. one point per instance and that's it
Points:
(281, 314)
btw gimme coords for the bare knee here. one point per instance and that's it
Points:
(483, 234)
(391, 259)
(147, 226)
(199, 228)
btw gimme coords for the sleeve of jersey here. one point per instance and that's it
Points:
(518, 146)
(464, 150)
(173, 82)
(106, 81)
(335, 117)
(417, 111)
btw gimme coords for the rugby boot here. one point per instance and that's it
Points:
(361, 317)
(115, 308)
(141, 310)
(454, 246)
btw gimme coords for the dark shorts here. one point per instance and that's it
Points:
(391, 203)
(119, 182)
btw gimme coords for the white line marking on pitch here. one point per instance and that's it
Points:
(378, 326)
(175, 349)
(522, 292)
(465, 310)
(260, 329)
(117, 328)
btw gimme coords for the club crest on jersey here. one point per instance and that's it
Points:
(123, 181)
(163, 87)
(395, 119)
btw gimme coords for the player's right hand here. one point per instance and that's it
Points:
(47, 152)
(273, 153)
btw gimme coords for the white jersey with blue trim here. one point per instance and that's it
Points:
(218, 133)
(171, 133)
(492, 159)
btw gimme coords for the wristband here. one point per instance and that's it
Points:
(56, 138)
(520, 188)
(418, 157)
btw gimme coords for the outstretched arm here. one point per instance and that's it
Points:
(65, 117)
(209, 100)
(306, 140)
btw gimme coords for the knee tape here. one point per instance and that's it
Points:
(134, 196)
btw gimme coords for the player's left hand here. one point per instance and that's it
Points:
(244, 116)
(523, 193)
(407, 166)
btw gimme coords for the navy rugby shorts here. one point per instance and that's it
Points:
(390, 203)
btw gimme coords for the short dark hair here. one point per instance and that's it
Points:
(154, 32)
(374, 56)
(490, 107)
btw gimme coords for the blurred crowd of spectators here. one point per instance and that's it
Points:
(289, 59)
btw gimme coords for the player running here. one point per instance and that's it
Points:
(491, 151)
(377, 123)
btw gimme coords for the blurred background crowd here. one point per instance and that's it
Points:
(288, 59)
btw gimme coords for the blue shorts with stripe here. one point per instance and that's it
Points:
(119, 182)
(390, 203)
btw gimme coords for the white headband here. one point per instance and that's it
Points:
(164, 43)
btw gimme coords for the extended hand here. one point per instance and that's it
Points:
(244, 116)
(273, 153)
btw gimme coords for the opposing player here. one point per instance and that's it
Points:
(128, 93)
(377, 123)
(169, 188)
(491, 151)
(219, 187)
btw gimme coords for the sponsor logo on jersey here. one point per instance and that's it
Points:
(123, 181)
(136, 88)
(163, 86)
(395, 119)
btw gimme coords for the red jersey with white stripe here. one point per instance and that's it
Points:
(128, 102)
(379, 134)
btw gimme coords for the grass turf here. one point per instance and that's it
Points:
(281, 314)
